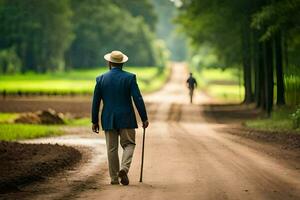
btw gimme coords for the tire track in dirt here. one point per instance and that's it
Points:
(174, 112)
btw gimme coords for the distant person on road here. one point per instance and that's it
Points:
(191, 83)
(116, 88)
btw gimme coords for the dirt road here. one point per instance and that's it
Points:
(185, 158)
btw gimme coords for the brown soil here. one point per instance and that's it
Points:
(236, 114)
(76, 106)
(288, 140)
(230, 113)
(49, 116)
(21, 164)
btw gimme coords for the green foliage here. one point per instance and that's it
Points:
(50, 35)
(9, 61)
(280, 14)
(101, 26)
(40, 31)
(281, 17)
(162, 53)
(11, 132)
(296, 118)
(204, 57)
(140, 8)
(292, 89)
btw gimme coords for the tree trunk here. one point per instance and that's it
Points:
(259, 84)
(268, 73)
(247, 65)
(285, 50)
(279, 69)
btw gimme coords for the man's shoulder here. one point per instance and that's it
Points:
(98, 78)
(129, 74)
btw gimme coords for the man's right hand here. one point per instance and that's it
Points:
(145, 124)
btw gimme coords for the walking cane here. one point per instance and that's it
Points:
(142, 164)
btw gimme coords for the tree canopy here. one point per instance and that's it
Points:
(52, 35)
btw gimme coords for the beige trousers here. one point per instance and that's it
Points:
(127, 141)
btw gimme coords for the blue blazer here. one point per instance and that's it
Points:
(116, 88)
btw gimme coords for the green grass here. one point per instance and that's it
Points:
(79, 122)
(76, 81)
(220, 84)
(280, 120)
(232, 93)
(229, 75)
(7, 117)
(11, 132)
(292, 89)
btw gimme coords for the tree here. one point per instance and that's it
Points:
(40, 31)
(100, 27)
(140, 8)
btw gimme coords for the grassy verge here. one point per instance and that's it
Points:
(279, 121)
(227, 93)
(220, 84)
(76, 81)
(11, 132)
(7, 117)
(86, 121)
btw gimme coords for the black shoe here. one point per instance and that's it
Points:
(114, 183)
(124, 177)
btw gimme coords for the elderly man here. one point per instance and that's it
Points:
(116, 88)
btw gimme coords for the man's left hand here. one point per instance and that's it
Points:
(95, 128)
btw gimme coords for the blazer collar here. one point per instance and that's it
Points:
(116, 69)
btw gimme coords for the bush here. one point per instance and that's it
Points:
(296, 118)
(9, 61)
(292, 88)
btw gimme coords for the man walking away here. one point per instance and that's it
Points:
(191, 83)
(116, 88)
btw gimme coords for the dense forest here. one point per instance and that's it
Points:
(53, 35)
(261, 36)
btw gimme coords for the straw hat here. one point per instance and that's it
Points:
(116, 57)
